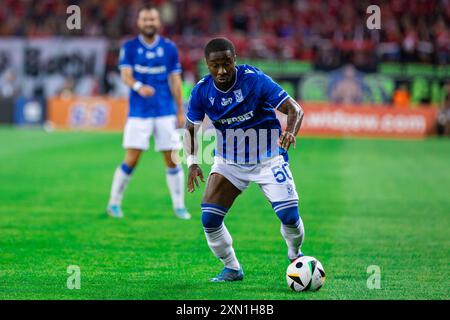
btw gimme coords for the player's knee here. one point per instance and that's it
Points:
(287, 211)
(212, 216)
(288, 216)
(211, 220)
(132, 157)
(171, 159)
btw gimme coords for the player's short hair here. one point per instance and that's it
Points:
(219, 44)
(147, 7)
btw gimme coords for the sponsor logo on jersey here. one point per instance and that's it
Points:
(150, 70)
(211, 99)
(226, 102)
(241, 118)
(150, 55)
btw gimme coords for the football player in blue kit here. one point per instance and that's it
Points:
(149, 66)
(251, 147)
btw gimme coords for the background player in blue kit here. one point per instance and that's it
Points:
(149, 66)
(251, 147)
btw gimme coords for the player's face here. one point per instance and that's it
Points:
(221, 66)
(149, 22)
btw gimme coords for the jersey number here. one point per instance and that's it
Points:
(280, 173)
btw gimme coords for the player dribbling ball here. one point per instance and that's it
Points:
(241, 102)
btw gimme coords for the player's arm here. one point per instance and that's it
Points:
(126, 73)
(294, 114)
(190, 149)
(175, 83)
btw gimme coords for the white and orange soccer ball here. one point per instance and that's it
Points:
(305, 273)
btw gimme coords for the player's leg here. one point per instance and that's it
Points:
(122, 175)
(175, 183)
(278, 185)
(167, 140)
(220, 194)
(136, 138)
(292, 228)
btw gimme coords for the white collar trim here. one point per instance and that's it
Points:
(149, 45)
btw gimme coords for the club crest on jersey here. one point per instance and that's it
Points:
(238, 95)
(211, 99)
(159, 52)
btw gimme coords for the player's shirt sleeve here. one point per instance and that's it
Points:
(173, 63)
(195, 112)
(271, 92)
(125, 56)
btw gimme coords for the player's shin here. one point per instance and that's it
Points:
(175, 182)
(292, 228)
(120, 181)
(217, 235)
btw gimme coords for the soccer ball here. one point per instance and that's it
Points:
(305, 273)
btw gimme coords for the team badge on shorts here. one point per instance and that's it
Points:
(238, 95)
(290, 189)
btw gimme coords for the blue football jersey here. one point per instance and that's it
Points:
(152, 64)
(244, 116)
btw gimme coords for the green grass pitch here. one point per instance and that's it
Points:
(363, 202)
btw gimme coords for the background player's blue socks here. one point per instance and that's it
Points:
(217, 235)
(292, 228)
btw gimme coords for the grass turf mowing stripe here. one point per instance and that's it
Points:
(363, 202)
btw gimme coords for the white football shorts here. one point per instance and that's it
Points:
(272, 175)
(138, 131)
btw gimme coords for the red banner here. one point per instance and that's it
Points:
(320, 118)
(91, 113)
(381, 121)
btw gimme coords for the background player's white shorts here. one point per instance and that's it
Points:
(138, 131)
(272, 175)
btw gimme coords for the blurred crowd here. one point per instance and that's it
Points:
(329, 32)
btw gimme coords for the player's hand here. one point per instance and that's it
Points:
(180, 119)
(194, 173)
(146, 91)
(286, 139)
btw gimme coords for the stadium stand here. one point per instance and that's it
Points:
(324, 35)
(298, 29)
